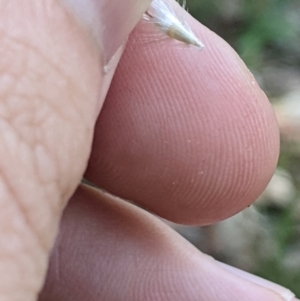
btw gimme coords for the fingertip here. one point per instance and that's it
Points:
(129, 254)
(188, 135)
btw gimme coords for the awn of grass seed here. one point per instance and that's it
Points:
(163, 16)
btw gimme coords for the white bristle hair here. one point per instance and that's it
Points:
(164, 17)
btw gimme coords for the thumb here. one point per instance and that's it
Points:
(51, 75)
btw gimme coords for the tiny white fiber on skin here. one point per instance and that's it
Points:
(164, 17)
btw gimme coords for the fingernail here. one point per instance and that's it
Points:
(282, 291)
(111, 21)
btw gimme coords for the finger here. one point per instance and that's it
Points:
(51, 76)
(186, 134)
(111, 250)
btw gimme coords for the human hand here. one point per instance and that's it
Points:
(186, 134)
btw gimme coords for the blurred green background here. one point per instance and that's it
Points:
(264, 240)
(261, 31)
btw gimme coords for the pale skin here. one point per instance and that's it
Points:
(191, 138)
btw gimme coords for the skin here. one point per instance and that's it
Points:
(191, 138)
